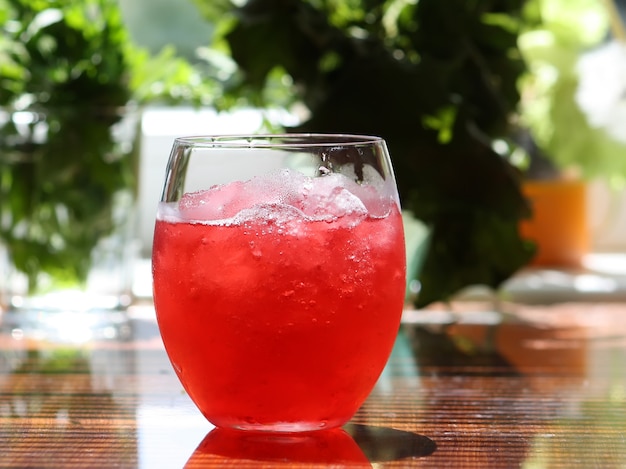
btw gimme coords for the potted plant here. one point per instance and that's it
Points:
(437, 80)
(72, 87)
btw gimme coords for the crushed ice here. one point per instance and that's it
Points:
(279, 198)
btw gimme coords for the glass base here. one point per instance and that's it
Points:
(279, 427)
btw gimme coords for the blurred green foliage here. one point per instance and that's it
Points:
(557, 35)
(71, 69)
(437, 79)
(79, 52)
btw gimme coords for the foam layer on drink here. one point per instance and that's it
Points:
(280, 196)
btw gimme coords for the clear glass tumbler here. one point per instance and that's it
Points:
(279, 275)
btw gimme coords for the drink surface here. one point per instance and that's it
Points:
(278, 316)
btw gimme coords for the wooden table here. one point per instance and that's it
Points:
(526, 386)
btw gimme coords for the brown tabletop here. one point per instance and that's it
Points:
(527, 386)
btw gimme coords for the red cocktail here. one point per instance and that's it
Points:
(279, 297)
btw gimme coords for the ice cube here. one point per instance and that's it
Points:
(377, 204)
(223, 202)
(327, 198)
(217, 203)
(377, 194)
(275, 218)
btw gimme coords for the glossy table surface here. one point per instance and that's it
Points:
(478, 387)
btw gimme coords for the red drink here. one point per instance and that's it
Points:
(276, 320)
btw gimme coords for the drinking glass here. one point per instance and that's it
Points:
(279, 275)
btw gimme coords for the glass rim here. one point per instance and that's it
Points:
(278, 140)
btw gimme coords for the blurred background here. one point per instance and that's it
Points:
(504, 118)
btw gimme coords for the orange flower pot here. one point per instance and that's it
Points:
(559, 224)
